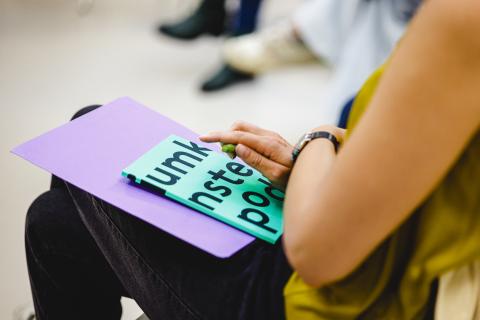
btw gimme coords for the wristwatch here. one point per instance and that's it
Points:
(306, 138)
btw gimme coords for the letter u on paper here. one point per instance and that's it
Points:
(213, 184)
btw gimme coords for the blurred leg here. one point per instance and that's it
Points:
(274, 47)
(355, 36)
(208, 18)
(325, 25)
(246, 17)
(245, 22)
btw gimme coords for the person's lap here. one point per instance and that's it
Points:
(169, 278)
(170, 275)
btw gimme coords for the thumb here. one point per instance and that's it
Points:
(273, 171)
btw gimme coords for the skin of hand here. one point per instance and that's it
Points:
(264, 150)
(423, 114)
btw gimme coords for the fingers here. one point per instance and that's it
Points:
(213, 136)
(273, 171)
(248, 127)
(270, 147)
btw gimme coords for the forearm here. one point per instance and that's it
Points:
(423, 114)
(306, 183)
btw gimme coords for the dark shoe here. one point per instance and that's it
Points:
(202, 21)
(225, 77)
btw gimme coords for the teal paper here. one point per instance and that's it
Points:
(213, 184)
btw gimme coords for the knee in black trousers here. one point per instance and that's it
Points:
(38, 222)
(69, 276)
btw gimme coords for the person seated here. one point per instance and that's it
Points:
(369, 231)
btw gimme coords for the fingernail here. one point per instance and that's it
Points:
(240, 150)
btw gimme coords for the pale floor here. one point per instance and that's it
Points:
(54, 61)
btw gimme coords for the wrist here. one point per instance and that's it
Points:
(323, 144)
(310, 137)
(337, 132)
(320, 151)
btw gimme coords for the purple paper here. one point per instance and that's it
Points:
(91, 151)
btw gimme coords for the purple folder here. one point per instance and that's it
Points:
(91, 151)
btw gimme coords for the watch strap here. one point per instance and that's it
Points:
(326, 135)
(316, 135)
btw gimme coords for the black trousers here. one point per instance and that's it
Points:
(83, 255)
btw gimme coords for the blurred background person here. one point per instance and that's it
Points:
(352, 36)
(211, 18)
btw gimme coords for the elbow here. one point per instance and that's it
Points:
(316, 269)
(318, 255)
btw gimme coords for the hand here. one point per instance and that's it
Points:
(264, 150)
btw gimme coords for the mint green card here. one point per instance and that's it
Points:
(211, 183)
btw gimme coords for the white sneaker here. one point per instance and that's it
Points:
(274, 47)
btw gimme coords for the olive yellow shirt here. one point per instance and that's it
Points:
(397, 280)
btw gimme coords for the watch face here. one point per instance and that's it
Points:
(302, 141)
(301, 144)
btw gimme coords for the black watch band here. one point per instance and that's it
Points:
(312, 136)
